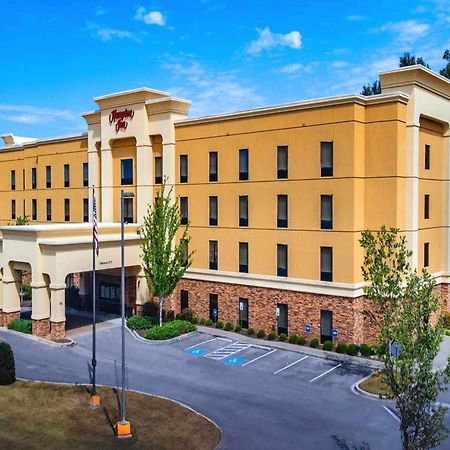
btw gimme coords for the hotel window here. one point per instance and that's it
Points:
(13, 180)
(184, 210)
(326, 159)
(282, 260)
(213, 210)
(326, 212)
(213, 166)
(426, 254)
(126, 172)
(184, 300)
(185, 250)
(48, 176)
(243, 164)
(85, 210)
(49, 209)
(282, 211)
(326, 263)
(158, 170)
(128, 216)
(282, 161)
(183, 168)
(33, 209)
(13, 209)
(67, 210)
(427, 156)
(243, 257)
(427, 206)
(243, 211)
(66, 175)
(85, 174)
(213, 255)
(33, 178)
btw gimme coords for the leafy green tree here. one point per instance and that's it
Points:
(407, 59)
(164, 260)
(21, 220)
(406, 305)
(372, 89)
(445, 72)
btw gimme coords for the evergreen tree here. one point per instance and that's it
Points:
(445, 72)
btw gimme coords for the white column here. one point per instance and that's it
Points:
(107, 185)
(58, 302)
(11, 294)
(144, 179)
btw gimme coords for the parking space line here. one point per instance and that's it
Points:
(322, 374)
(259, 357)
(290, 365)
(392, 414)
(228, 350)
(200, 343)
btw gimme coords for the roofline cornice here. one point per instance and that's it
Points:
(68, 138)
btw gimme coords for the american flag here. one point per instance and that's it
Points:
(95, 229)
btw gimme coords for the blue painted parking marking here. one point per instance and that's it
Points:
(233, 361)
(196, 351)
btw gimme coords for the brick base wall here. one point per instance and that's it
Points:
(41, 327)
(58, 330)
(1, 317)
(9, 317)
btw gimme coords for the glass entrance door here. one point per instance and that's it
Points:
(109, 299)
(213, 307)
(243, 313)
(282, 318)
(326, 326)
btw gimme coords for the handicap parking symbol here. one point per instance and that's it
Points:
(233, 361)
(196, 351)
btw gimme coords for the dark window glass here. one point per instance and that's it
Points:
(85, 210)
(243, 211)
(213, 166)
(243, 312)
(243, 257)
(184, 210)
(213, 255)
(427, 157)
(213, 210)
(85, 174)
(66, 175)
(67, 209)
(326, 263)
(183, 168)
(13, 180)
(326, 326)
(282, 161)
(158, 170)
(33, 209)
(426, 254)
(282, 260)
(128, 216)
(282, 211)
(427, 206)
(49, 209)
(33, 178)
(184, 300)
(326, 159)
(243, 164)
(326, 212)
(13, 209)
(126, 172)
(48, 176)
(214, 307)
(282, 318)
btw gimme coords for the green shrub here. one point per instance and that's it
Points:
(283, 337)
(194, 320)
(21, 325)
(352, 350)
(237, 328)
(261, 334)
(328, 346)
(314, 343)
(446, 319)
(186, 314)
(447, 332)
(229, 326)
(341, 347)
(141, 322)
(365, 350)
(150, 309)
(7, 366)
(251, 331)
(302, 340)
(202, 321)
(169, 330)
(208, 322)
(272, 336)
(219, 324)
(293, 339)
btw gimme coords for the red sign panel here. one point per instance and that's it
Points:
(118, 117)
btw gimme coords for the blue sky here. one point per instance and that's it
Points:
(222, 55)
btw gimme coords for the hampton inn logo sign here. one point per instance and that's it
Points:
(119, 118)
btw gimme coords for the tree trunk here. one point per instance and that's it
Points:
(161, 303)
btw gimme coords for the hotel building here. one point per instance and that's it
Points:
(276, 198)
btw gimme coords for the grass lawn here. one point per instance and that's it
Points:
(45, 416)
(375, 385)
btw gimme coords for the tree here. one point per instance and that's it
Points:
(407, 59)
(21, 220)
(372, 89)
(445, 72)
(164, 260)
(406, 306)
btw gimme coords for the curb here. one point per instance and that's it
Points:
(71, 343)
(333, 356)
(362, 393)
(139, 338)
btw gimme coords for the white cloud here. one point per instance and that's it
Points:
(268, 40)
(406, 31)
(150, 18)
(339, 64)
(106, 34)
(27, 114)
(291, 68)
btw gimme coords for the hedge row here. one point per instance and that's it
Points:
(169, 330)
(21, 325)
